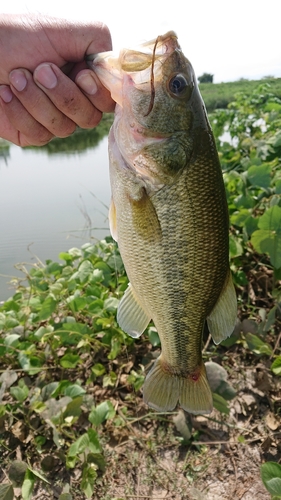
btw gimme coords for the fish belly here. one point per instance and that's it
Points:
(174, 244)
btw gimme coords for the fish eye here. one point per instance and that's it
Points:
(178, 85)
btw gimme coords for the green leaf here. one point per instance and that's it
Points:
(94, 444)
(75, 252)
(48, 307)
(276, 366)
(98, 369)
(85, 270)
(267, 239)
(271, 477)
(74, 390)
(153, 337)
(70, 461)
(28, 484)
(110, 379)
(97, 459)
(42, 330)
(12, 340)
(70, 360)
(270, 320)
(244, 201)
(251, 224)
(102, 412)
(276, 139)
(11, 322)
(136, 379)
(235, 246)
(78, 304)
(89, 476)
(73, 408)
(102, 266)
(75, 327)
(39, 475)
(66, 256)
(257, 346)
(278, 186)
(239, 218)
(11, 305)
(220, 403)
(79, 445)
(260, 175)
(111, 304)
(6, 492)
(19, 393)
(30, 364)
(115, 348)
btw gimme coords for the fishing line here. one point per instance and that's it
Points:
(152, 78)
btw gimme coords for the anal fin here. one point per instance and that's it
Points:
(131, 315)
(222, 320)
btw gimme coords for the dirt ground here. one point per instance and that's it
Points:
(179, 457)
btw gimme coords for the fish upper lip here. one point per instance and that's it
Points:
(170, 38)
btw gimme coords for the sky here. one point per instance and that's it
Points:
(230, 39)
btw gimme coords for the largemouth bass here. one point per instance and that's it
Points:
(169, 215)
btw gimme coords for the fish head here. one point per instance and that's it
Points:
(158, 104)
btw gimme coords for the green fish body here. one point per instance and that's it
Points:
(169, 215)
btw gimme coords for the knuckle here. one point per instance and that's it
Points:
(92, 120)
(65, 129)
(38, 137)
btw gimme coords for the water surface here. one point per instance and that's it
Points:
(50, 203)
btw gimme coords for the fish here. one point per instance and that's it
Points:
(169, 215)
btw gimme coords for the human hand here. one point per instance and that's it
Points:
(39, 99)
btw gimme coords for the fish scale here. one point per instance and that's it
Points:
(169, 216)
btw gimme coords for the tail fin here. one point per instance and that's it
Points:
(162, 390)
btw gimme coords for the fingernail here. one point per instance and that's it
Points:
(45, 76)
(18, 79)
(6, 93)
(87, 83)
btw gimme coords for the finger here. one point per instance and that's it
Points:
(66, 95)
(38, 104)
(95, 91)
(18, 125)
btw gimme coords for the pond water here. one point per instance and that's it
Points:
(50, 203)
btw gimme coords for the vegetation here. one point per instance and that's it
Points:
(206, 78)
(72, 419)
(219, 95)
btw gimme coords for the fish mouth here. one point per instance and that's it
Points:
(135, 63)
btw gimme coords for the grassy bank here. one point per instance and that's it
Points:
(219, 95)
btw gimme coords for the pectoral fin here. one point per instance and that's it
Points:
(112, 220)
(222, 319)
(131, 316)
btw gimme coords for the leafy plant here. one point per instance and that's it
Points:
(71, 377)
(271, 478)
